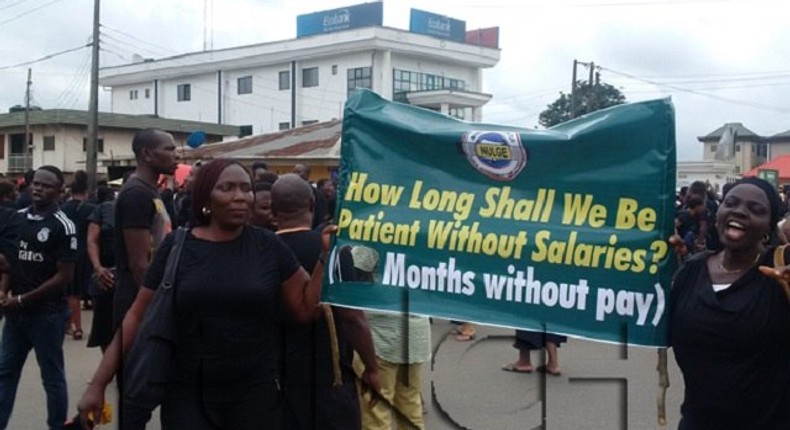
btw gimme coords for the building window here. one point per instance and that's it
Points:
(284, 125)
(457, 112)
(148, 93)
(99, 145)
(133, 95)
(738, 148)
(49, 143)
(310, 77)
(713, 148)
(405, 81)
(245, 130)
(184, 92)
(285, 80)
(310, 121)
(361, 77)
(762, 149)
(245, 85)
(334, 69)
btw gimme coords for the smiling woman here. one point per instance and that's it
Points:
(730, 323)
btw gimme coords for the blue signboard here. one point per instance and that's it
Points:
(361, 15)
(437, 25)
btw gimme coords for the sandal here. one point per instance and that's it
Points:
(465, 337)
(77, 334)
(513, 367)
(464, 332)
(544, 369)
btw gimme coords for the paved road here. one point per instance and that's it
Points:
(602, 386)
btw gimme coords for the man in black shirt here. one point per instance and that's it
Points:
(141, 219)
(315, 395)
(35, 304)
(141, 223)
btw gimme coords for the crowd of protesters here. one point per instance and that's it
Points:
(255, 349)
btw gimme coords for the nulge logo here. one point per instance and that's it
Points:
(496, 154)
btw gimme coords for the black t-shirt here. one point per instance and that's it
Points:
(10, 223)
(104, 216)
(307, 346)
(320, 210)
(44, 241)
(733, 348)
(138, 206)
(229, 310)
(78, 212)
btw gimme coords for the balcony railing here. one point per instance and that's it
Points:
(19, 163)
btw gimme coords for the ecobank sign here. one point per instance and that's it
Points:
(437, 25)
(363, 15)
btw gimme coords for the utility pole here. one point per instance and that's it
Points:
(28, 160)
(573, 90)
(93, 104)
(591, 100)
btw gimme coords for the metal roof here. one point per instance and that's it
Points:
(115, 120)
(743, 133)
(319, 141)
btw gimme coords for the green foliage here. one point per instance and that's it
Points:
(587, 99)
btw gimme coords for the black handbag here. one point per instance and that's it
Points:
(148, 365)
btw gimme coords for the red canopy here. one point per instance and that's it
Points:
(780, 163)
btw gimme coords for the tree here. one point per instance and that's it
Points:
(589, 98)
(20, 108)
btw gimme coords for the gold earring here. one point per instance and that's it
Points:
(206, 211)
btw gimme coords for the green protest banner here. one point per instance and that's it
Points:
(561, 230)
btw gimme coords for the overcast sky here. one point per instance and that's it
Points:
(719, 60)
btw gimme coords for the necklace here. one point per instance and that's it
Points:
(732, 271)
(292, 230)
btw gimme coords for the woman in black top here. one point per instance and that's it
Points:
(233, 286)
(730, 323)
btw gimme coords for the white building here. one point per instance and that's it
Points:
(278, 85)
(715, 173)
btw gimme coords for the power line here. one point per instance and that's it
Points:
(695, 92)
(114, 53)
(139, 40)
(12, 5)
(46, 57)
(74, 83)
(30, 11)
(106, 36)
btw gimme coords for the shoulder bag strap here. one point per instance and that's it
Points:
(172, 258)
(779, 261)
